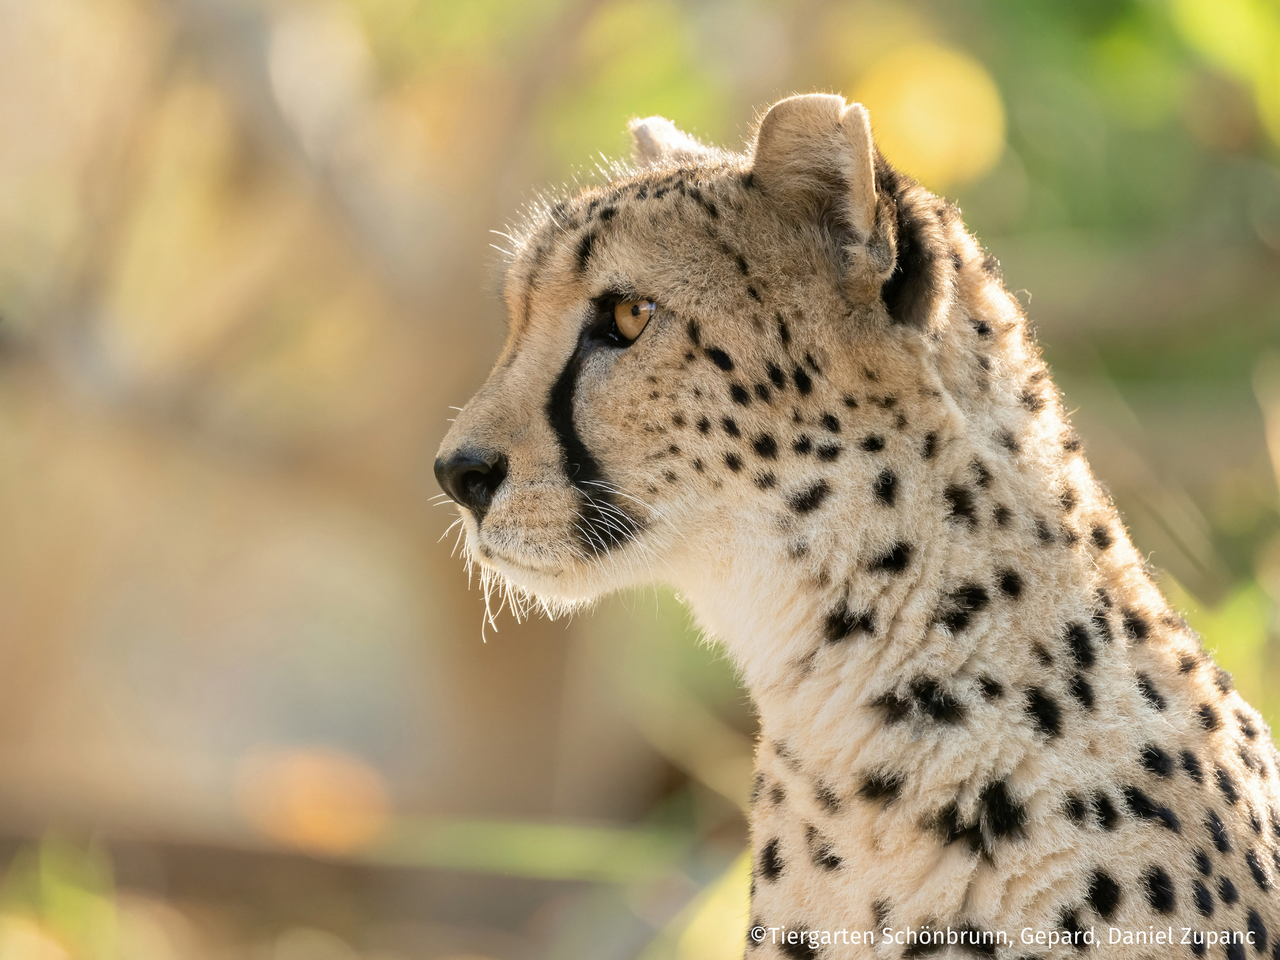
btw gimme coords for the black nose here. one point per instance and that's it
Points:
(472, 477)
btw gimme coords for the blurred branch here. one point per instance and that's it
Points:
(693, 738)
(524, 849)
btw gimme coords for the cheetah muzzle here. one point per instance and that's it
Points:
(790, 384)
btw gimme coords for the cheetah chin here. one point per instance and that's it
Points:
(790, 384)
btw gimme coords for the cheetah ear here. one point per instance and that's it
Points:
(657, 139)
(815, 151)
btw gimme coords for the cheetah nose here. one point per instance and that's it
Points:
(472, 478)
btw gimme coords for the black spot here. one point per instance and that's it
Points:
(1255, 867)
(1002, 516)
(842, 623)
(704, 425)
(1202, 863)
(1188, 662)
(1258, 929)
(1235, 951)
(960, 501)
(811, 498)
(754, 294)
(762, 392)
(803, 383)
(1033, 402)
(784, 332)
(583, 253)
(828, 798)
(981, 327)
(1010, 583)
(1156, 760)
(739, 394)
(1222, 680)
(776, 376)
(885, 487)
(1075, 808)
(1044, 712)
(731, 427)
(1043, 531)
(1246, 725)
(802, 445)
(992, 689)
(1227, 891)
(895, 707)
(822, 850)
(883, 787)
(1008, 440)
(1159, 890)
(1104, 894)
(1082, 690)
(1203, 899)
(1209, 718)
(719, 358)
(771, 863)
(1105, 811)
(1135, 625)
(1072, 444)
(1227, 785)
(881, 910)
(740, 260)
(960, 605)
(695, 334)
(1101, 537)
(894, 561)
(982, 476)
(1218, 832)
(1149, 692)
(998, 816)
(935, 702)
(930, 445)
(1002, 816)
(1247, 757)
(1081, 645)
(765, 446)
(830, 452)
(831, 422)
(949, 825)
(1042, 655)
(733, 462)
(873, 443)
(802, 948)
(1144, 808)
(607, 213)
(767, 481)
(677, 419)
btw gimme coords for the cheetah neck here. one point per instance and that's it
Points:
(987, 597)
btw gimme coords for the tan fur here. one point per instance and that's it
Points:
(896, 787)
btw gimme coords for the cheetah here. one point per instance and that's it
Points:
(791, 385)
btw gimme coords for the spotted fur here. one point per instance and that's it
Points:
(838, 440)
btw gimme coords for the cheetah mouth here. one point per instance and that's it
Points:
(497, 560)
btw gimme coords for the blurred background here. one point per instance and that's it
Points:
(246, 708)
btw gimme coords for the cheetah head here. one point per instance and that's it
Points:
(676, 337)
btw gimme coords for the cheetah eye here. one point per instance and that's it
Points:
(632, 316)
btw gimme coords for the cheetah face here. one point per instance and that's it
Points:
(591, 460)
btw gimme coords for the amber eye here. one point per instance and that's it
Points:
(632, 316)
